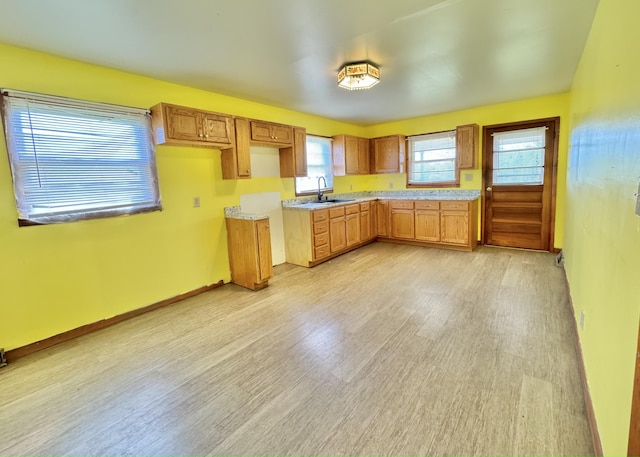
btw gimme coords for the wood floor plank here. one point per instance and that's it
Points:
(387, 350)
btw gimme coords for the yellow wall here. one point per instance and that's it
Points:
(602, 246)
(58, 277)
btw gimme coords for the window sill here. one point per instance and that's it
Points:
(315, 192)
(433, 185)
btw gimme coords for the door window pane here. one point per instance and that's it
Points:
(518, 156)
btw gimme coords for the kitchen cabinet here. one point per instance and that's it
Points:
(249, 245)
(350, 155)
(388, 155)
(352, 224)
(180, 125)
(236, 162)
(402, 219)
(320, 227)
(269, 133)
(427, 220)
(382, 218)
(367, 224)
(293, 159)
(337, 229)
(467, 146)
(454, 223)
(449, 224)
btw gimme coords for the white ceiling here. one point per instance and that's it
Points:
(434, 55)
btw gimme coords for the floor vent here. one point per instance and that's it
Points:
(3, 359)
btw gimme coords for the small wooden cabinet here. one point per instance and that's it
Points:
(402, 223)
(236, 162)
(293, 159)
(271, 133)
(382, 218)
(467, 146)
(249, 243)
(350, 155)
(320, 229)
(367, 221)
(454, 222)
(337, 229)
(180, 125)
(388, 154)
(352, 224)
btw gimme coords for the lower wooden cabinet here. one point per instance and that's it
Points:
(382, 218)
(352, 224)
(249, 244)
(447, 224)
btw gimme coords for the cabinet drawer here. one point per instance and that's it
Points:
(427, 204)
(320, 227)
(321, 239)
(352, 209)
(454, 205)
(401, 204)
(336, 212)
(320, 215)
(321, 252)
(364, 206)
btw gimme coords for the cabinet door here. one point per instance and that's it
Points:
(454, 227)
(300, 151)
(353, 229)
(217, 128)
(243, 150)
(402, 224)
(351, 156)
(282, 133)
(261, 131)
(466, 145)
(337, 234)
(427, 225)
(265, 264)
(364, 158)
(388, 154)
(183, 123)
(382, 218)
(365, 226)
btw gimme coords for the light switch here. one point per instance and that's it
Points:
(468, 177)
(638, 200)
(196, 202)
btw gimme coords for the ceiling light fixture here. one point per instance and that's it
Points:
(358, 75)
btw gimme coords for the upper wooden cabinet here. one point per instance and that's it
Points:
(350, 155)
(293, 159)
(179, 125)
(236, 162)
(270, 133)
(467, 145)
(388, 155)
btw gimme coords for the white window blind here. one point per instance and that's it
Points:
(432, 158)
(74, 160)
(319, 163)
(518, 156)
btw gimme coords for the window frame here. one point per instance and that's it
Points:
(328, 189)
(125, 131)
(433, 184)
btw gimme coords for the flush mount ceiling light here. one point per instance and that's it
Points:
(358, 75)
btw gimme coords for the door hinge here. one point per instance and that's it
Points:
(3, 358)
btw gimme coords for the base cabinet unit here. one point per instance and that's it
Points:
(367, 221)
(382, 218)
(249, 243)
(447, 224)
(312, 237)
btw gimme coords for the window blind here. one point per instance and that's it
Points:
(518, 156)
(319, 163)
(73, 160)
(432, 158)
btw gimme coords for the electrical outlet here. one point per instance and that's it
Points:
(468, 177)
(390, 185)
(581, 320)
(196, 202)
(350, 186)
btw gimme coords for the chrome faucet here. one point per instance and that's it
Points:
(319, 189)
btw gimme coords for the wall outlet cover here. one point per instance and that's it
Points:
(581, 320)
(196, 202)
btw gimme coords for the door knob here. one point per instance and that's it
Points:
(489, 189)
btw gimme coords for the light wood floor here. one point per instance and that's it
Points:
(388, 350)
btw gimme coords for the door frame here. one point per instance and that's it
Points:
(487, 148)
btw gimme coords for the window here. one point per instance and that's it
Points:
(518, 156)
(319, 163)
(432, 159)
(73, 160)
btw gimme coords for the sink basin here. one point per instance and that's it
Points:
(339, 201)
